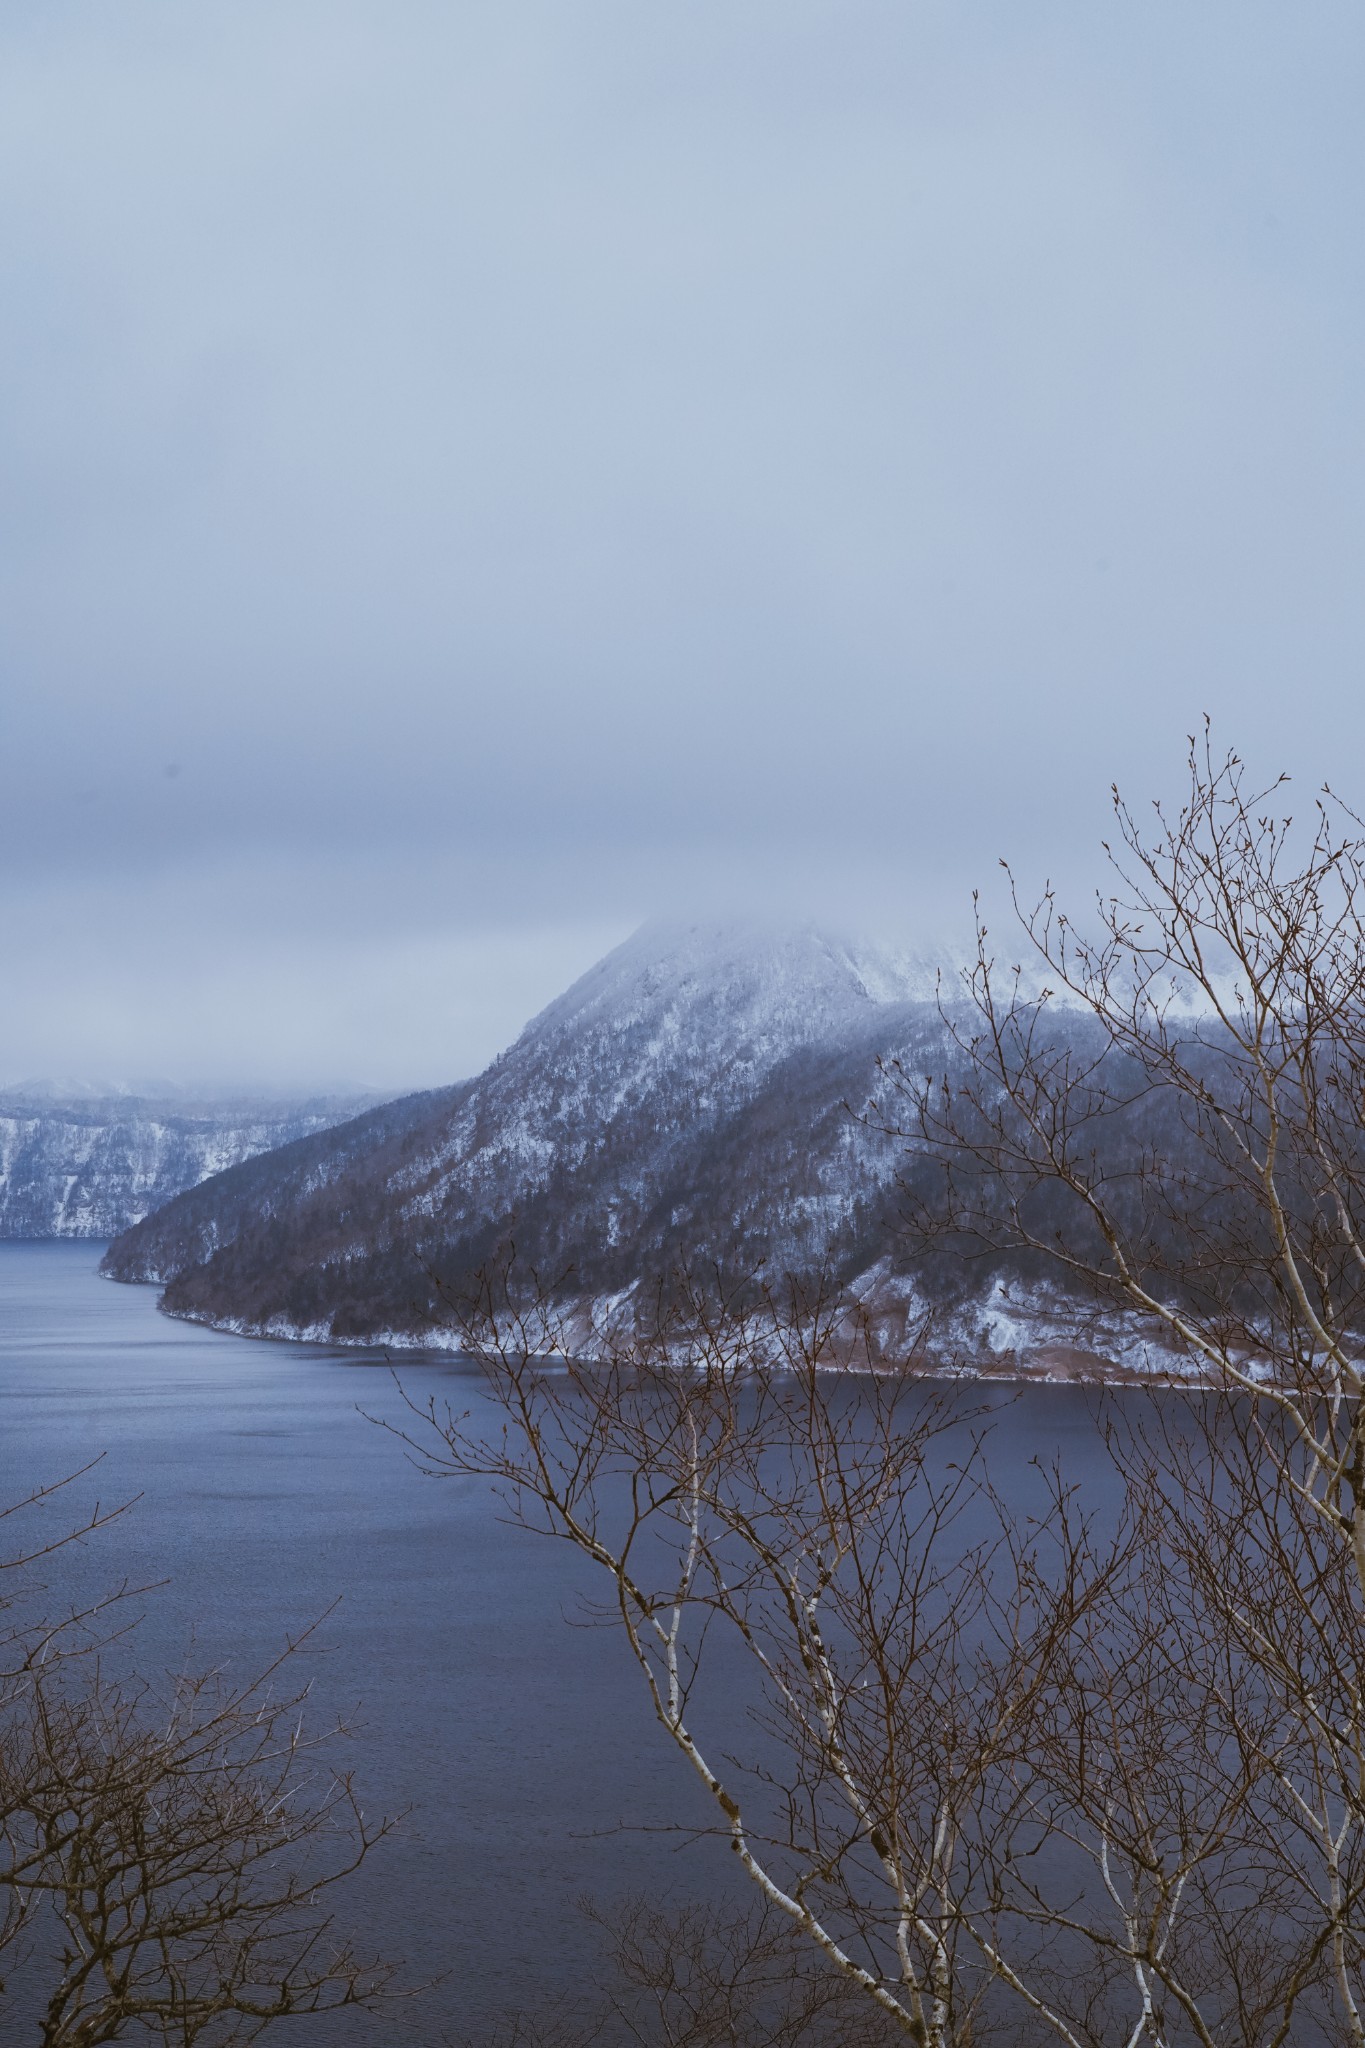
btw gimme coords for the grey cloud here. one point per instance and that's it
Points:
(527, 466)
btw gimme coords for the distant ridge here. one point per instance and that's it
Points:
(90, 1159)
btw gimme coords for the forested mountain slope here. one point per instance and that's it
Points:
(269, 1195)
(692, 1100)
(693, 1080)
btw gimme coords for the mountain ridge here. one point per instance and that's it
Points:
(694, 1098)
(598, 1107)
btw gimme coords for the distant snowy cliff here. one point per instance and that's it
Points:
(93, 1165)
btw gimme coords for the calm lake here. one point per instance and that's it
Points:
(523, 1745)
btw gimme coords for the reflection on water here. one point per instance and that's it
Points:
(265, 1496)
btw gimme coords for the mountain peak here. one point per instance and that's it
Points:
(787, 979)
(686, 1097)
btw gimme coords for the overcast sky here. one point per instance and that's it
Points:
(479, 473)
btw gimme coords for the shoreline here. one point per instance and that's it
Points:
(1050, 1365)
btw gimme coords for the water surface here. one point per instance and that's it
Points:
(523, 1745)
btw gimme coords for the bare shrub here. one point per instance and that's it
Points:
(167, 1859)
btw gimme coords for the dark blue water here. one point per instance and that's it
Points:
(523, 1745)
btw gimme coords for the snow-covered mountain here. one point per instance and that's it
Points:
(625, 1113)
(85, 1160)
(692, 1100)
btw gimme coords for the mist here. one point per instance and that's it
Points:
(474, 479)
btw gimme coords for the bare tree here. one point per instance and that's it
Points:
(1160, 1761)
(36, 1632)
(1008, 1775)
(1163, 1105)
(711, 1977)
(34, 1629)
(703, 1976)
(1204, 1138)
(919, 1662)
(166, 1860)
